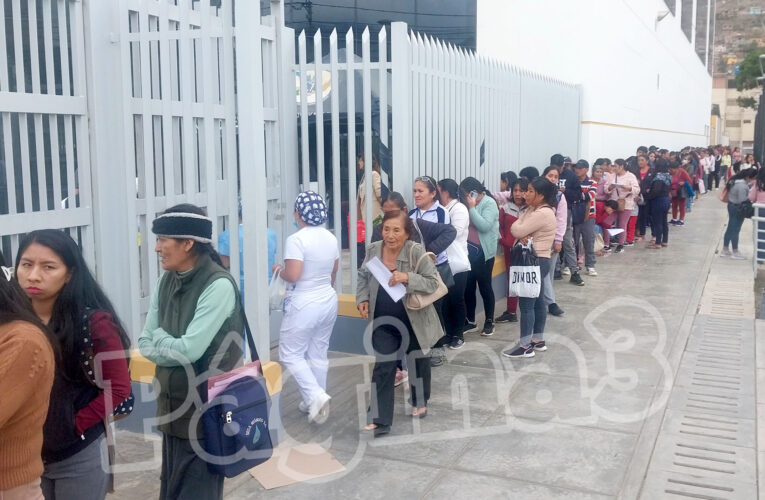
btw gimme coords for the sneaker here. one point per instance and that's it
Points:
(318, 410)
(555, 309)
(576, 280)
(725, 252)
(303, 407)
(437, 357)
(488, 329)
(681, 223)
(565, 271)
(456, 344)
(506, 317)
(539, 346)
(519, 352)
(619, 249)
(401, 377)
(736, 255)
(608, 249)
(469, 326)
(673, 221)
(629, 243)
(558, 276)
(591, 271)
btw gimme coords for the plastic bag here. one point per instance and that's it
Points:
(525, 275)
(458, 258)
(277, 290)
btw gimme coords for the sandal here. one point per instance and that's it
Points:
(377, 429)
(420, 412)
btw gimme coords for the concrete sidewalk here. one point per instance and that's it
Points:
(590, 418)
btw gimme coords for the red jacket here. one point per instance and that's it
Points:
(506, 221)
(679, 180)
(601, 216)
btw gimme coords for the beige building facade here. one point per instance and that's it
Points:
(737, 123)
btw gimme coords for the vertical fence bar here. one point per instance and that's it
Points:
(401, 100)
(163, 49)
(336, 179)
(367, 105)
(319, 93)
(10, 164)
(248, 59)
(3, 55)
(351, 132)
(229, 100)
(304, 144)
(382, 44)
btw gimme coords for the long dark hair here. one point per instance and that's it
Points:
(15, 306)
(198, 247)
(472, 184)
(81, 292)
(451, 187)
(546, 188)
(761, 179)
(397, 198)
(747, 173)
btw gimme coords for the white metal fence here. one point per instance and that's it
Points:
(44, 149)
(447, 112)
(188, 102)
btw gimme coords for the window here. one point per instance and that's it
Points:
(670, 5)
(732, 102)
(747, 121)
(686, 18)
(733, 123)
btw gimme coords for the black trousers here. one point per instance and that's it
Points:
(480, 273)
(644, 218)
(660, 228)
(454, 307)
(185, 475)
(386, 341)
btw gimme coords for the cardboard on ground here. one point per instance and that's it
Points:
(295, 464)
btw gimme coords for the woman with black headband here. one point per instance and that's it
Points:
(310, 308)
(193, 330)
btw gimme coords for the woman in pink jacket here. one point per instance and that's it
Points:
(623, 185)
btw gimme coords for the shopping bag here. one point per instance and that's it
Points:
(702, 187)
(277, 289)
(458, 258)
(525, 275)
(235, 423)
(723, 195)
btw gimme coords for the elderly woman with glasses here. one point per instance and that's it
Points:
(310, 308)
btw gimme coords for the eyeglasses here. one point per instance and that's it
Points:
(427, 179)
(7, 272)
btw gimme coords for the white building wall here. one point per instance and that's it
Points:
(642, 82)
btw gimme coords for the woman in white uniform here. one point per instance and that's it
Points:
(310, 308)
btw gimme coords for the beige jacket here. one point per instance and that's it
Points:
(425, 322)
(361, 206)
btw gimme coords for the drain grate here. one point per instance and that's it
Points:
(706, 447)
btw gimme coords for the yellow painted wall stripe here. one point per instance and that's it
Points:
(618, 125)
(142, 370)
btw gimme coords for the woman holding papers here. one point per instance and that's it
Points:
(386, 274)
(310, 309)
(623, 185)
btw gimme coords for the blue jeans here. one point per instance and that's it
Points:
(688, 204)
(735, 221)
(534, 309)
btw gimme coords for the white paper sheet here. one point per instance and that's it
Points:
(615, 231)
(382, 275)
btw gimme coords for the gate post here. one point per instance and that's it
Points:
(401, 89)
(252, 161)
(110, 189)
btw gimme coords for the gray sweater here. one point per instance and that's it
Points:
(738, 192)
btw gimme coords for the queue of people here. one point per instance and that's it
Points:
(56, 323)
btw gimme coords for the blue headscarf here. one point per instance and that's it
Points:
(311, 208)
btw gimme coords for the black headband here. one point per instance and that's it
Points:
(183, 225)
